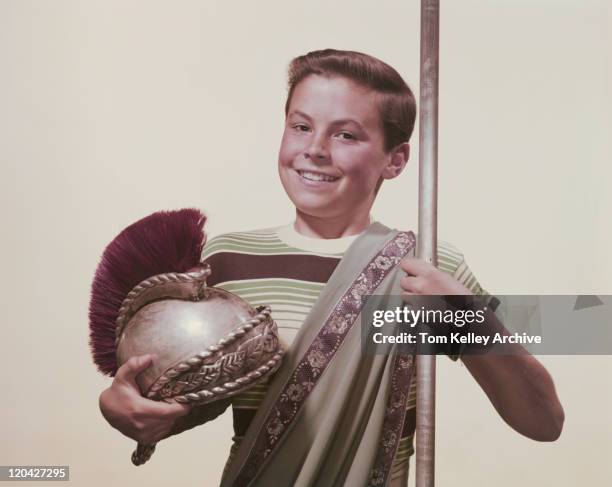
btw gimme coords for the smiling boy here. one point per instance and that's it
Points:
(334, 154)
(331, 416)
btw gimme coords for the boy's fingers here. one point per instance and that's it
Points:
(135, 365)
(411, 284)
(177, 409)
(415, 267)
(164, 409)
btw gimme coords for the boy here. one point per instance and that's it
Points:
(349, 118)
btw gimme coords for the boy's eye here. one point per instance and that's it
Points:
(300, 127)
(346, 136)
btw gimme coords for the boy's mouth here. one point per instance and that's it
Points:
(317, 176)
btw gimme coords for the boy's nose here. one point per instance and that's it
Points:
(316, 155)
(317, 151)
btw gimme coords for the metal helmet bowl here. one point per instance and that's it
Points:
(208, 343)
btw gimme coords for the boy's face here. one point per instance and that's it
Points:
(332, 151)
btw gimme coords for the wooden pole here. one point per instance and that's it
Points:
(428, 232)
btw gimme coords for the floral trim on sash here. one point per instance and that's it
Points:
(320, 353)
(393, 423)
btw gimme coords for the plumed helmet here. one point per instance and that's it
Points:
(149, 296)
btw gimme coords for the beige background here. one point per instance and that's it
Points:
(110, 110)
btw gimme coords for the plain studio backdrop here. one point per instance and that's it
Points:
(111, 110)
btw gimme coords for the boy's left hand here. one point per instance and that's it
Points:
(425, 279)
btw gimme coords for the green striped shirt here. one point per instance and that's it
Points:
(282, 269)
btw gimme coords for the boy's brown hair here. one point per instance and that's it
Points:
(397, 104)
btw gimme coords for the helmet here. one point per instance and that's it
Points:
(209, 344)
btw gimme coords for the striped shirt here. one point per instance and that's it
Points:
(280, 268)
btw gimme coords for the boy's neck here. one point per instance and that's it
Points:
(314, 227)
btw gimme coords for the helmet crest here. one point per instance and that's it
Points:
(166, 241)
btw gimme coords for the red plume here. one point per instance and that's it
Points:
(166, 241)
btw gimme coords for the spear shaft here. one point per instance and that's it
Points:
(428, 232)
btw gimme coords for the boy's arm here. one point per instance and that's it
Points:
(518, 386)
(522, 392)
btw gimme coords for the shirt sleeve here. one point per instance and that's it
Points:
(464, 275)
(452, 261)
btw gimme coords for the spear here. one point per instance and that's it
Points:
(428, 233)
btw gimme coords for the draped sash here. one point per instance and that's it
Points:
(332, 415)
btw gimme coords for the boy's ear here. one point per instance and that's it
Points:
(398, 157)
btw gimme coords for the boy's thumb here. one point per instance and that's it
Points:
(134, 366)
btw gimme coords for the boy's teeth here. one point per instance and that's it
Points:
(313, 176)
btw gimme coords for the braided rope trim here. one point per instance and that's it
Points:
(263, 317)
(198, 276)
(235, 387)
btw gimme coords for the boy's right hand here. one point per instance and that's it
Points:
(137, 417)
